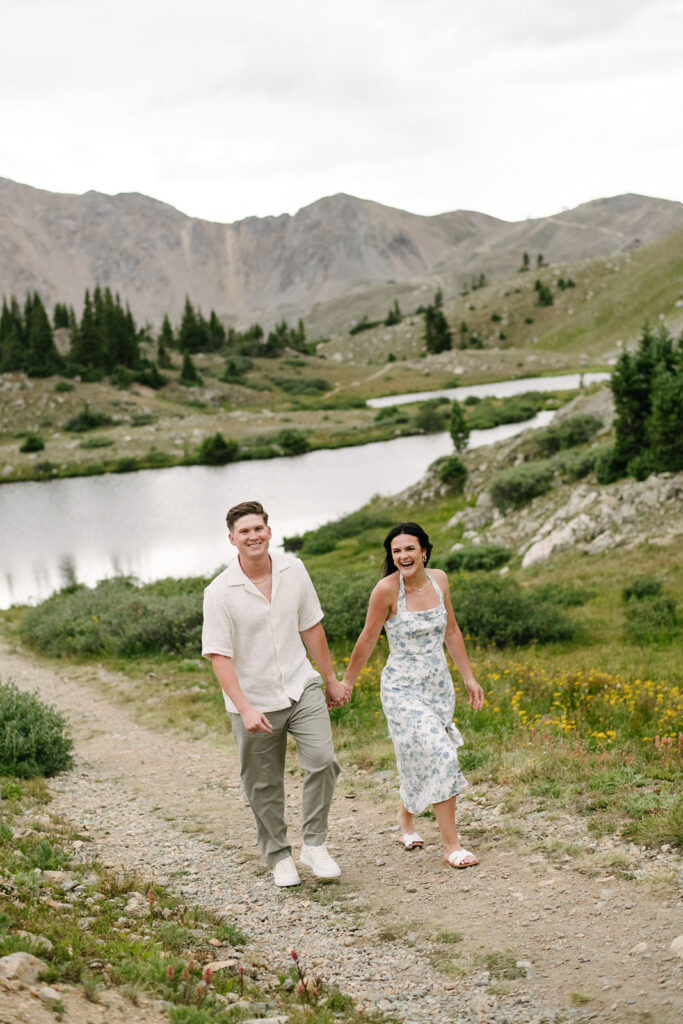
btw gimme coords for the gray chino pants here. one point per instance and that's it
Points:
(262, 770)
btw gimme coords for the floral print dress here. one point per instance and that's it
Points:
(418, 700)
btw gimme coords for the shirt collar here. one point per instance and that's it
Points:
(236, 577)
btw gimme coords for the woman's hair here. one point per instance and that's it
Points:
(414, 530)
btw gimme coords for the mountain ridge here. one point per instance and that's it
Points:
(287, 264)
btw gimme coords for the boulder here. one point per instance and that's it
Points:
(24, 967)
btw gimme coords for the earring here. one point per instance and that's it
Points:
(424, 559)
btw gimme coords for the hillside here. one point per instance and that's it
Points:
(264, 268)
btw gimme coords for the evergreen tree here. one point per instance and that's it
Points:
(86, 349)
(189, 375)
(437, 335)
(12, 339)
(460, 432)
(60, 317)
(525, 262)
(394, 316)
(42, 357)
(216, 333)
(438, 298)
(193, 335)
(545, 296)
(165, 342)
(665, 423)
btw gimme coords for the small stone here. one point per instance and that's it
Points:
(676, 946)
(23, 967)
(666, 848)
(47, 994)
(220, 965)
(379, 862)
(640, 947)
(526, 964)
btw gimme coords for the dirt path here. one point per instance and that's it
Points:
(173, 808)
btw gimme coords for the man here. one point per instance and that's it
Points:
(261, 615)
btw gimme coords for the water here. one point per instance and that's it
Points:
(171, 522)
(497, 389)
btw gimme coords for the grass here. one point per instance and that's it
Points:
(161, 954)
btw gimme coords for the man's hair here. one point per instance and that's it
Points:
(245, 508)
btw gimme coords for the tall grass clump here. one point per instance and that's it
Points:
(117, 617)
(650, 615)
(33, 736)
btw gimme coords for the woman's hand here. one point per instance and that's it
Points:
(476, 694)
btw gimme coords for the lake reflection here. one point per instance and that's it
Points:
(171, 522)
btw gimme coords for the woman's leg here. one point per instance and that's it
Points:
(444, 812)
(405, 820)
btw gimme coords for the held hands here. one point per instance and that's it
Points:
(337, 693)
(476, 694)
(255, 721)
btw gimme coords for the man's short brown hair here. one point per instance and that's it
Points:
(245, 508)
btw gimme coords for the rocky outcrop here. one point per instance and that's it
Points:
(586, 516)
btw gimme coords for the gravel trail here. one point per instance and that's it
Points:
(172, 808)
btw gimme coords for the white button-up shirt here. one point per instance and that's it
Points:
(263, 637)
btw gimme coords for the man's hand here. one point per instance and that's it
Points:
(255, 721)
(337, 694)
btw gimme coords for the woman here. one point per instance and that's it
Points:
(414, 607)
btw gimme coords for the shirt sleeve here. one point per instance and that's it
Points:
(310, 611)
(217, 626)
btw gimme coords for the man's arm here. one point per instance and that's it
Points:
(315, 642)
(224, 670)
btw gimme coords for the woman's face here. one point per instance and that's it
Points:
(407, 554)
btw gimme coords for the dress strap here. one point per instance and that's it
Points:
(401, 603)
(436, 586)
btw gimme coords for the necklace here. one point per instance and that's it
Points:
(263, 578)
(416, 589)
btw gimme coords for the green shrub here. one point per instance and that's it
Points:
(293, 442)
(651, 619)
(344, 598)
(520, 484)
(33, 736)
(302, 385)
(453, 473)
(86, 419)
(500, 612)
(63, 385)
(391, 412)
(640, 587)
(115, 617)
(96, 442)
(491, 412)
(325, 538)
(216, 451)
(142, 419)
(475, 557)
(575, 465)
(33, 443)
(566, 434)
(608, 466)
(432, 416)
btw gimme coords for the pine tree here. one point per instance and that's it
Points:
(60, 317)
(460, 432)
(189, 375)
(216, 332)
(42, 357)
(12, 339)
(165, 342)
(437, 335)
(525, 262)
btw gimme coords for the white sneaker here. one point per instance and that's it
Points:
(285, 873)
(317, 858)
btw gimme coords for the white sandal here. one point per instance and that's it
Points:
(411, 840)
(456, 859)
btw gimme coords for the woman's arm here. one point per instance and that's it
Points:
(379, 610)
(455, 644)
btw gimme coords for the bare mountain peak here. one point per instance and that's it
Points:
(267, 267)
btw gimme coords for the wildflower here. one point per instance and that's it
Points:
(170, 974)
(295, 955)
(207, 975)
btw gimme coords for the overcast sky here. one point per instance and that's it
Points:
(516, 108)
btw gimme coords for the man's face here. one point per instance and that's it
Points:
(250, 536)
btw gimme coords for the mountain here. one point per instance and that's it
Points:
(266, 268)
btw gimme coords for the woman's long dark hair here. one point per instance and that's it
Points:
(413, 530)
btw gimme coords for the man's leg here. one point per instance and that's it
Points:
(262, 770)
(309, 724)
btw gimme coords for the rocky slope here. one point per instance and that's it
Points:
(264, 268)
